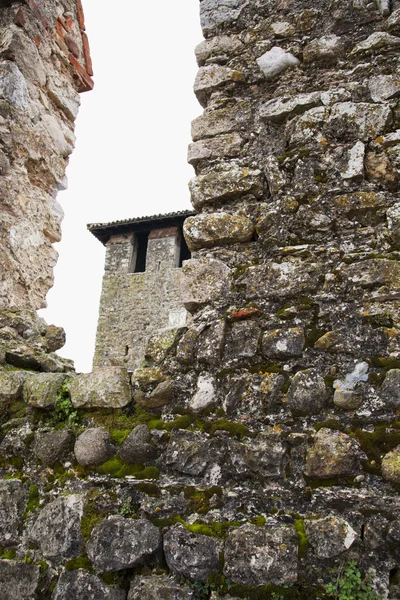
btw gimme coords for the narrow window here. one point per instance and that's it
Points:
(184, 252)
(139, 253)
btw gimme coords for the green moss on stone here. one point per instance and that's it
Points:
(33, 500)
(333, 424)
(116, 467)
(9, 554)
(302, 537)
(81, 562)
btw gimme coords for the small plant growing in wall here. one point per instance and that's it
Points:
(64, 411)
(351, 585)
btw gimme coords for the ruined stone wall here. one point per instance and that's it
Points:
(135, 305)
(44, 63)
(255, 453)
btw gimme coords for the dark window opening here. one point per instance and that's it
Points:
(139, 253)
(184, 253)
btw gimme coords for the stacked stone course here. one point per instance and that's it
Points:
(255, 452)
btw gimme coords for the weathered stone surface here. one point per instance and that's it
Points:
(119, 543)
(377, 40)
(224, 45)
(334, 454)
(103, 388)
(242, 340)
(13, 499)
(155, 588)
(232, 117)
(211, 77)
(41, 389)
(11, 384)
(136, 448)
(55, 338)
(79, 584)
(390, 389)
(203, 281)
(51, 447)
(160, 396)
(93, 447)
(275, 177)
(330, 536)
(226, 145)
(191, 555)
(355, 162)
(307, 393)
(57, 529)
(325, 50)
(217, 12)
(160, 344)
(261, 555)
(283, 343)
(348, 399)
(216, 229)
(391, 465)
(18, 580)
(206, 393)
(275, 61)
(13, 87)
(349, 391)
(366, 120)
(229, 183)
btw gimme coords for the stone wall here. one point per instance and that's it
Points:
(45, 62)
(255, 453)
(135, 305)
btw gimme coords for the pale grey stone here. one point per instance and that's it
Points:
(348, 399)
(261, 555)
(133, 543)
(107, 387)
(369, 120)
(211, 77)
(391, 465)
(242, 340)
(11, 384)
(203, 281)
(79, 584)
(282, 29)
(355, 162)
(227, 145)
(57, 529)
(230, 182)
(18, 580)
(283, 343)
(217, 12)
(218, 45)
(65, 97)
(276, 61)
(275, 177)
(216, 229)
(41, 389)
(383, 87)
(191, 555)
(13, 499)
(159, 588)
(280, 108)
(93, 447)
(307, 393)
(13, 85)
(329, 536)
(206, 393)
(160, 396)
(232, 117)
(379, 40)
(325, 50)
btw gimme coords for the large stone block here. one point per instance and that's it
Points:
(226, 145)
(13, 86)
(108, 387)
(57, 529)
(159, 587)
(11, 384)
(261, 555)
(41, 389)
(212, 77)
(307, 394)
(18, 580)
(119, 543)
(232, 117)
(218, 12)
(191, 555)
(203, 281)
(334, 454)
(13, 499)
(330, 536)
(93, 447)
(276, 61)
(229, 182)
(81, 584)
(216, 229)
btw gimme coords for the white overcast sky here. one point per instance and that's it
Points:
(130, 155)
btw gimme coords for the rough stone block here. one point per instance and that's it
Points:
(325, 50)
(230, 182)
(13, 499)
(51, 447)
(108, 387)
(283, 343)
(242, 340)
(81, 584)
(18, 580)
(156, 587)
(93, 447)
(206, 393)
(57, 528)
(278, 109)
(275, 560)
(390, 389)
(391, 465)
(134, 543)
(11, 384)
(330, 536)
(224, 45)
(203, 281)
(233, 117)
(41, 389)
(13, 86)
(218, 12)
(216, 229)
(191, 555)
(276, 61)
(379, 40)
(334, 454)
(136, 449)
(227, 145)
(212, 77)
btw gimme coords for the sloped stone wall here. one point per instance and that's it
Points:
(255, 453)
